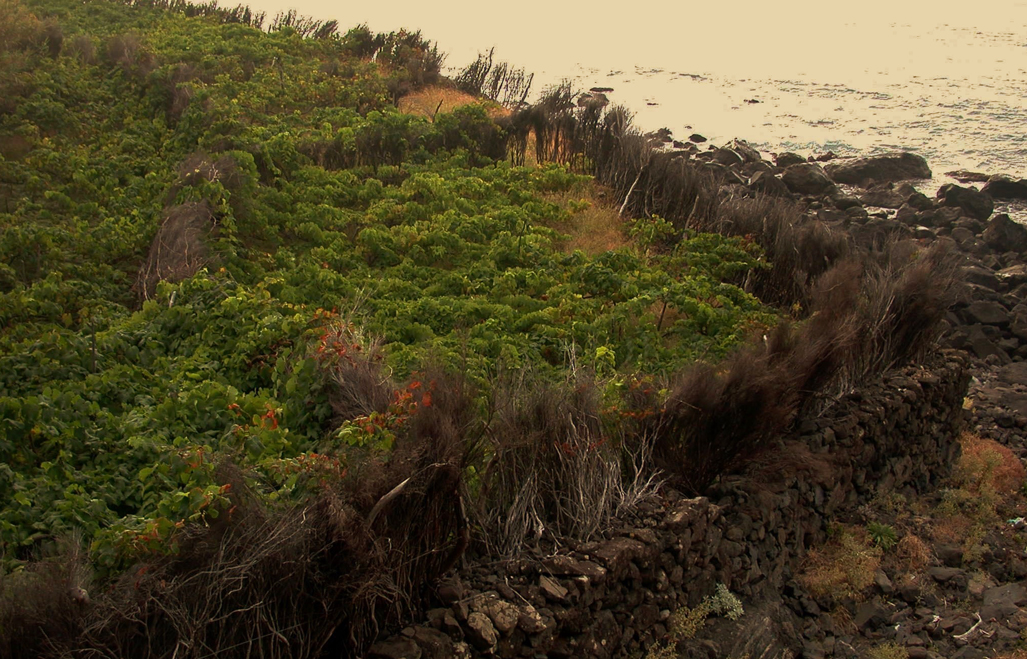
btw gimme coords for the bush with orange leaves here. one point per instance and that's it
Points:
(987, 467)
(986, 476)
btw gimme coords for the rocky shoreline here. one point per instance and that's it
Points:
(974, 608)
(614, 599)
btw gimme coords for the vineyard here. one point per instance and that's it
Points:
(236, 281)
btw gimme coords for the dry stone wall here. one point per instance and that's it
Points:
(613, 597)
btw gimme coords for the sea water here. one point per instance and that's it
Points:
(947, 80)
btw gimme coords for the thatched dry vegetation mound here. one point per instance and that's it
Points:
(179, 249)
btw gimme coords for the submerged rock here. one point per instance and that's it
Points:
(898, 166)
(964, 176)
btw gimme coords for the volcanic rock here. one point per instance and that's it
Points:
(768, 184)
(897, 166)
(807, 178)
(787, 159)
(1005, 235)
(1003, 187)
(882, 198)
(974, 203)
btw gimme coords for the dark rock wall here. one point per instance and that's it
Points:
(612, 598)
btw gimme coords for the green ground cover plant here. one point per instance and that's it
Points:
(279, 197)
(243, 297)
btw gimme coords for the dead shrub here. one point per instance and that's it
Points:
(550, 469)
(200, 167)
(19, 27)
(53, 38)
(717, 418)
(499, 82)
(906, 293)
(791, 458)
(179, 249)
(354, 363)
(799, 250)
(43, 607)
(82, 47)
(324, 577)
(127, 52)
(248, 586)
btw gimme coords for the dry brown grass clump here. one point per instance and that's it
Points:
(594, 225)
(988, 467)
(435, 99)
(912, 553)
(844, 567)
(799, 250)
(987, 475)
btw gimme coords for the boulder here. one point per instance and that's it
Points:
(987, 312)
(1002, 602)
(481, 632)
(807, 178)
(871, 615)
(728, 157)
(882, 198)
(787, 159)
(981, 276)
(897, 166)
(940, 218)
(1004, 187)
(768, 184)
(844, 201)
(1014, 275)
(504, 616)
(395, 648)
(919, 201)
(984, 347)
(1005, 235)
(433, 643)
(1013, 374)
(552, 589)
(907, 215)
(974, 203)
(697, 138)
(962, 235)
(742, 148)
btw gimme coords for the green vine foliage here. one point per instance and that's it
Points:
(328, 205)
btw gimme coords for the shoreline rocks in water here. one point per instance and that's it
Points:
(1004, 187)
(889, 167)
